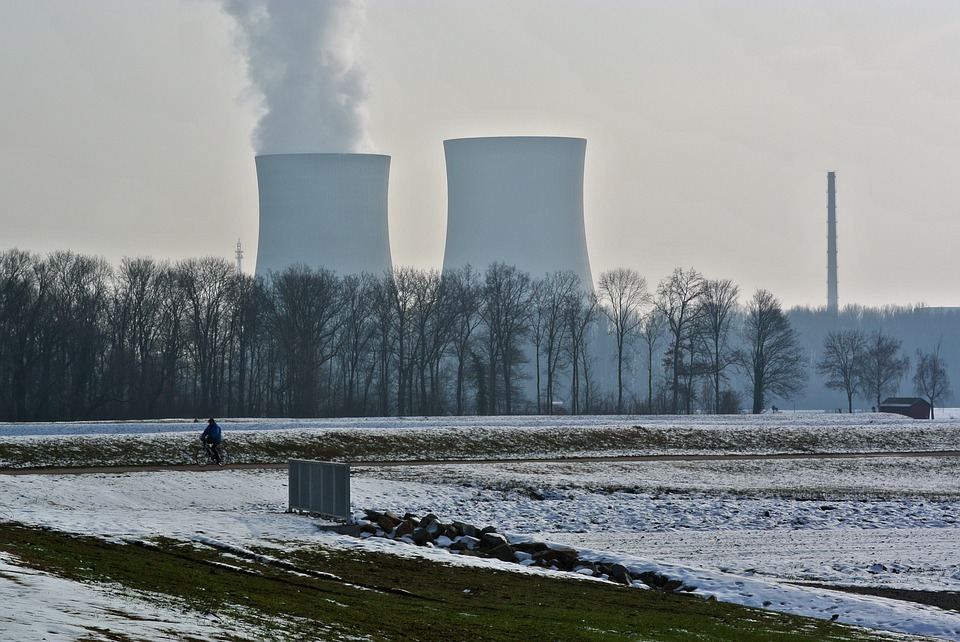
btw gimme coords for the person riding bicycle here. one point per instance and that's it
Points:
(211, 437)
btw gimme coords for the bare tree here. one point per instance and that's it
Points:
(772, 360)
(551, 300)
(355, 341)
(305, 321)
(78, 333)
(538, 329)
(842, 353)
(24, 292)
(428, 316)
(247, 324)
(678, 298)
(401, 293)
(623, 298)
(506, 319)
(383, 315)
(717, 310)
(881, 368)
(207, 285)
(164, 346)
(581, 314)
(462, 289)
(931, 379)
(139, 333)
(651, 333)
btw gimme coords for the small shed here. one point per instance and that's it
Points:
(915, 407)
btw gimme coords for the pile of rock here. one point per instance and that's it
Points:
(466, 539)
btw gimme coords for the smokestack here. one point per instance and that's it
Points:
(323, 211)
(517, 200)
(832, 303)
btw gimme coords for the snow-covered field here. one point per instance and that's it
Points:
(744, 531)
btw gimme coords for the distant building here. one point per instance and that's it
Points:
(914, 407)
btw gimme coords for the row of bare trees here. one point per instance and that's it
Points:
(873, 366)
(707, 333)
(82, 340)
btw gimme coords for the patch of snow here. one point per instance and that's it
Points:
(40, 606)
(735, 531)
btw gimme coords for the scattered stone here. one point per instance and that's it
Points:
(619, 573)
(421, 536)
(490, 541)
(466, 539)
(388, 521)
(405, 527)
(522, 556)
(663, 583)
(531, 547)
(466, 530)
(504, 553)
(432, 524)
(465, 543)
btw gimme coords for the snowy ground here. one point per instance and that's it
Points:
(736, 530)
(39, 606)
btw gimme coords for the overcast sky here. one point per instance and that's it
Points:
(127, 129)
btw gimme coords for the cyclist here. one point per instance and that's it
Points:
(211, 438)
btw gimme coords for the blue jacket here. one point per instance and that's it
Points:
(212, 433)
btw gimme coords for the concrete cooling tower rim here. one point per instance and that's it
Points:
(516, 138)
(322, 154)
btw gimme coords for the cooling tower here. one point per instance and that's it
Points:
(323, 210)
(519, 201)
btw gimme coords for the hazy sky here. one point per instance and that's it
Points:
(126, 129)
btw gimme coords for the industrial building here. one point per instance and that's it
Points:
(323, 211)
(516, 200)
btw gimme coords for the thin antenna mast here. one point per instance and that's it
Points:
(239, 256)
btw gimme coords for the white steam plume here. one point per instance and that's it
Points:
(302, 57)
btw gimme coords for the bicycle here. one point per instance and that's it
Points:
(204, 454)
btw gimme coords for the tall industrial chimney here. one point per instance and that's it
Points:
(517, 200)
(323, 211)
(832, 303)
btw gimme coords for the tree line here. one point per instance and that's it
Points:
(81, 340)
(873, 365)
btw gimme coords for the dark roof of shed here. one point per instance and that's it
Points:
(903, 401)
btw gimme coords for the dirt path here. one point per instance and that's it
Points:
(940, 599)
(55, 470)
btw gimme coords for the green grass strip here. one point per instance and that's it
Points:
(386, 597)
